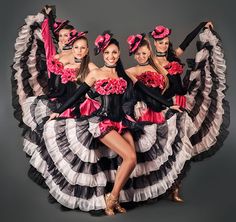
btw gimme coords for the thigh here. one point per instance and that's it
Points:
(129, 138)
(117, 143)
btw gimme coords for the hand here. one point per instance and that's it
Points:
(46, 10)
(177, 108)
(53, 116)
(209, 25)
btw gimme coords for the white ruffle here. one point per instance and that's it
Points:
(219, 67)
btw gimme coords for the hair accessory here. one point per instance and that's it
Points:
(134, 42)
(74, 35)
(59, 24)
(160, 32)
(102, 42)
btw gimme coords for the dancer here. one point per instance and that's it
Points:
(154, 76)
(168, 58)
(109, 81)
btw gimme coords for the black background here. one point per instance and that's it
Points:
(208, 191)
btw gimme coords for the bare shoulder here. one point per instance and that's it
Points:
(93, 74)
(92, 66)
(132, 71)
(65, 59)
(57, 56)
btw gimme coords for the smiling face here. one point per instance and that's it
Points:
(80, 48)
(162, 45)
(111, 54)
(64, 36)
(142, 54)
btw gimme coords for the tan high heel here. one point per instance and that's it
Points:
(119, 208)
(110, 204)
(175, 196)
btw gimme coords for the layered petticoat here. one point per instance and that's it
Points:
(77, 169)
(29, 70)
(206, 102)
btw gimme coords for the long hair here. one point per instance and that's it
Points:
(84, 69)
(129, 93)
(171, 56)
(146, 42)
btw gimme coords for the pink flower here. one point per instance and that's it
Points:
(55, 66)
(68, 75)
(152, 79)
(110, 86)
(174, 68)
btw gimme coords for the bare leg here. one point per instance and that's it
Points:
(118, 144)
(128, 137)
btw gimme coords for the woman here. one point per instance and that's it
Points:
(149, 73)
(199, 89)
(70, 71)
(110, 82)
(56, 31)
(153, 76)
(168, 58)
(205, 83)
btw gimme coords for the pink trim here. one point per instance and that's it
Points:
(107, 124)
(152, 79)
(55, 66)
(68, 113)
(69, 75)
(151, 116)
(50, 49)
(174, 68)
(180, 101)
(110, 86)
(89, 106)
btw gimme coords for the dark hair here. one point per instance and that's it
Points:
(70, 27)
(129, 93)
(171, 56)
(119, 66)
(67, 27)
(84, 70)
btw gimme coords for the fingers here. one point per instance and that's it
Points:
(209, 25)
(53, 116)
(177, 108)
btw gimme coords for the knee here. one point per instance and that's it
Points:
(132, 158)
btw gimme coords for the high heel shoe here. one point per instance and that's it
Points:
(175, 196)
(119, 208)
(110, 204)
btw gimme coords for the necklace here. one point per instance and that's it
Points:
(110, 66)
(66, 47)
(144, 64)
(77, 60)
(161, 54)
